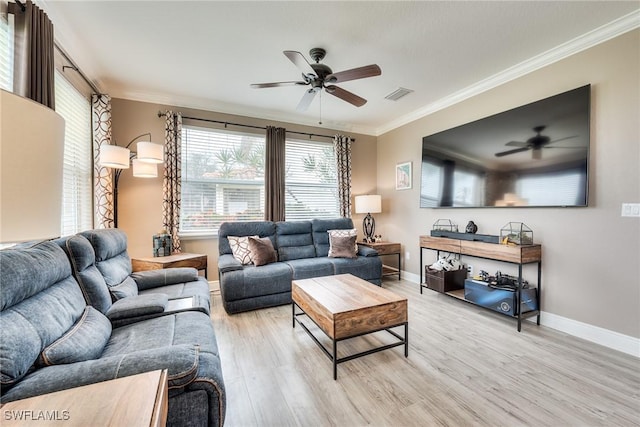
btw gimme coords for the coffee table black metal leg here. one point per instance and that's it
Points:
(335, 359)
(293, 314)
(406, 339)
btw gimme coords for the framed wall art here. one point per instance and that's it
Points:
(403, 176)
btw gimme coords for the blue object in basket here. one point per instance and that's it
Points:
(500, 300)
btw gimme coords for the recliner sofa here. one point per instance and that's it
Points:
(302, 252)
(51, 339)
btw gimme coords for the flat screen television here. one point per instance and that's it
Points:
(535, 155)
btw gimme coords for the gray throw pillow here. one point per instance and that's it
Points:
(262, 251)
(85, 340)
(343, 247)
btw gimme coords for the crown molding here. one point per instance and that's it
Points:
(599, 35)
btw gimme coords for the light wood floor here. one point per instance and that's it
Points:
(466, 366)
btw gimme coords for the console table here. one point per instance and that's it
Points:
(519, 255)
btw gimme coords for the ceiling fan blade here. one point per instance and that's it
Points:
(516, 144)
(353, 74)
(306, 100)
(517, 150)
(277, 84)
(300, 61)
(562, 139)
(345, 95)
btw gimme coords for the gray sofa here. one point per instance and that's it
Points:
(51, 339)
(302, 248)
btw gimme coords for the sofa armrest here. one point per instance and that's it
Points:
(228, 263)
(181, 362)
(366, 251)
(169, 276)
(140, 305)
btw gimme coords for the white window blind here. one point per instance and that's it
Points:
(6, 53)
(222, 178)
(567, 189)
(311, 183)
(77, 194)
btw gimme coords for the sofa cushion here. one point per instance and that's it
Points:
(255, 281)
(240, 248)
(149, 279)
(85, 340)
(127, 288)
(294, 240)
(310, 267)
(320, 227)
(351, 232)
(37, 305)
(262, 251)
(342, 246)
(83, 257)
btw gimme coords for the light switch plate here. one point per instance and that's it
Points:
(631, 209)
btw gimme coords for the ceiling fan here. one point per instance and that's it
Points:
(320, 76)
(535, 144)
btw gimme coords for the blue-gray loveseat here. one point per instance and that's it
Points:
(51, 339)
(302, 249)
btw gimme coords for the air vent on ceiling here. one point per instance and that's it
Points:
(398, 93)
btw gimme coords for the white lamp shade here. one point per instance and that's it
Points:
(370, 203)
(150, 152)
(31, 158)
(113, 156)
(144, 170)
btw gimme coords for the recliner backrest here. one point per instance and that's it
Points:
(84, 269)
(39, 302)
(247, 228)
(294, 240)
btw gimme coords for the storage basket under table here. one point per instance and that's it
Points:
(445, 281)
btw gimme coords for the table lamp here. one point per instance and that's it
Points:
(370, 203)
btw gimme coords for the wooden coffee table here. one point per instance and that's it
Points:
(345, 306)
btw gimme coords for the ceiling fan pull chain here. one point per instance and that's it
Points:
(320, 122)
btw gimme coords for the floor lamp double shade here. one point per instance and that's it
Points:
(370, 203)
(144, 161)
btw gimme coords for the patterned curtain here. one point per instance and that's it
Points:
(103, 178)
(171, 183)
(274, 174)
(342, 146)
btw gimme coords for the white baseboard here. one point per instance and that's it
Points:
(605, 337)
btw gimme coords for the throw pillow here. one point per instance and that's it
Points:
(240, 248)
(343, 247)
(342, 233)
(262, 251)
(85, 340)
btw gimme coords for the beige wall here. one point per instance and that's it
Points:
(140, 200)
(590, 255)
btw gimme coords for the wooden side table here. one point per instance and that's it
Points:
(197, 261)
(138, 400)
(387, 248)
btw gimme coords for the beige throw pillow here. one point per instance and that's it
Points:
(342, 233)
(240, 248)
(343, 247)
(262, 251)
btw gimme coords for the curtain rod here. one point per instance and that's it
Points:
(160, 114)
(76, 68)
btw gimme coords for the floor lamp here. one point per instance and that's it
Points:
(370, 203)
(145, 163)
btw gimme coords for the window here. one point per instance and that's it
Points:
(77, 195)
(567, 188)
(311, 183)
(6, 52)
(222, 178)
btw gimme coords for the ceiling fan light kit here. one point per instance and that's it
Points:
(320, 76)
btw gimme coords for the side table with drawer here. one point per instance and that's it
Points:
(197, 261)
(387, 248)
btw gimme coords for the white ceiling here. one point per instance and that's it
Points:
(205, 54)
